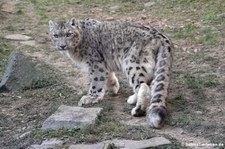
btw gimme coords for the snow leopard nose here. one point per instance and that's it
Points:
(62, 47)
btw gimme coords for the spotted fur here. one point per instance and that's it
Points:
(143, 53)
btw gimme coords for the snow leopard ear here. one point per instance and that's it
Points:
(51, 25)
(73, 22)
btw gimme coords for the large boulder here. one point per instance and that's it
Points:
(20, 73)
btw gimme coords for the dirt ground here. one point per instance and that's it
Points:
(197, 95)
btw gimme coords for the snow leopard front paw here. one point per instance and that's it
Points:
(88, 99)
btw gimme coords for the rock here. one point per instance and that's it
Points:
(91, 146)
(18, 37)
(71, 117)
(125, 144)
(20, 73)
(29, 43)
(48, 144)
(153, 142)
(149, 4)
(109, 19)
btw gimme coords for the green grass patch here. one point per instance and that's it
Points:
(188, 31)
(43, 83)
(94, 3)
(190, 13)
(51, 3)
(186, 120)
(178, 103)
(201, 57)
(196, 57)
(42, 12)
(57, 133)
(206, 11)
(20, 12)
(107, 123)
(198, 85)
(212, 17)
(132, 7)
(9, 28)
(199, 82)
(209, 36)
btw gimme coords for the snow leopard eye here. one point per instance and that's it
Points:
(56, 35)
(68, 34)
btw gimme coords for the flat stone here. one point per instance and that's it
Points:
(71, 117)
(20, 73)
(91, 146)
(29, 43)
(153, 142)
(18, 37)
(47, 144)
(125, 144)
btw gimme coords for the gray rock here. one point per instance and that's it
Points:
(20, 73)
(48, 144)
(71, 117)
(125, 144)
(91, 146)
(18, 37)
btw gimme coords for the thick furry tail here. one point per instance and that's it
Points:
(156, 113)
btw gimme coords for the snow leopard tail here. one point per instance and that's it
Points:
(156, 113)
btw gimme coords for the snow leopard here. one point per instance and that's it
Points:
(101, 48)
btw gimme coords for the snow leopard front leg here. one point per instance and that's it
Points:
(99, 76)
(112, 84)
